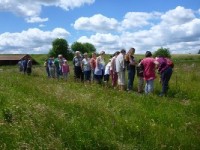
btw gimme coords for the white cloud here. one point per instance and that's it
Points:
(32, 8)
(71, 4)
(178, 16)
(98, 23)
(32, 40)
(106, 42)
(138, 19)
(36, 20)
(177, 30)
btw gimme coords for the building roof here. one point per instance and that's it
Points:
(13, 56)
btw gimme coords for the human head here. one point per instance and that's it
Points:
(65, 61)
(102, 52)
(116, 53)
(77, 53)
(94, 54)
(85, 54)
(60, 56)
(123, 51)
(131, 51)
(148, 54)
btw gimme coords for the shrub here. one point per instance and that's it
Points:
(162, 52)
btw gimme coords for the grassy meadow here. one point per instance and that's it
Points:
(41, 113)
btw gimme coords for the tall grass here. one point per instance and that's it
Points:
(52, 114)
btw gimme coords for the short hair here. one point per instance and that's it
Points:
(148, 54)
(123, 51)
(102, 52)
(117, 53)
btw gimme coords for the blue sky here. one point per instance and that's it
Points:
(29, 26)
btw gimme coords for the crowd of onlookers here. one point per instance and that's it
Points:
(95, 69)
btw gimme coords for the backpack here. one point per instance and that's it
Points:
(50, 62)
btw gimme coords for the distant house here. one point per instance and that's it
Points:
(13, 59)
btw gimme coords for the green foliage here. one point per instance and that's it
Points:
(83, 47)
(60, 46)
(162, 52)
(89, 47)
(7, 114)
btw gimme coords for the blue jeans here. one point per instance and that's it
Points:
(131, 76)
(87, 75)
(47, 71)
(165, 77)
(149, 87)
(57, 71)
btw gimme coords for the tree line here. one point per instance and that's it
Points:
(61, 46)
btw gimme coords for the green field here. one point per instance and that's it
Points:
(41, 113)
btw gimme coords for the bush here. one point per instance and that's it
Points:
(162, 52)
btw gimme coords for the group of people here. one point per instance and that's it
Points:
(57, 67)
(25, 65)
(95, 69)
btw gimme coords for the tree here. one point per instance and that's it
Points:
(162, 52)
(77, 46)
(89, 47)
(199, 52)
(60, 46)
(83, 47)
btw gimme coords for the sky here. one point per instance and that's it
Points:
(30, 26)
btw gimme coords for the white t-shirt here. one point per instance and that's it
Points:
(120, 63)
(107, 69)
(86, 64)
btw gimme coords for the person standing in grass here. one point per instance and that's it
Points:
(47, 68)
(93, 65)
(77, 66)
(86, 68)
(130, 63)
(51, 67)
(29, 66)
(20, 64)
(65, 70)
(113, 72)
(57, 67)
(120, 69)
(107, 72)
(140, 71)
(25, 61)
(165, 71)
(100, 66)
(149, 64)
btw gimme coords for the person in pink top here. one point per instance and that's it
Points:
(149, 64)
(65, 69)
